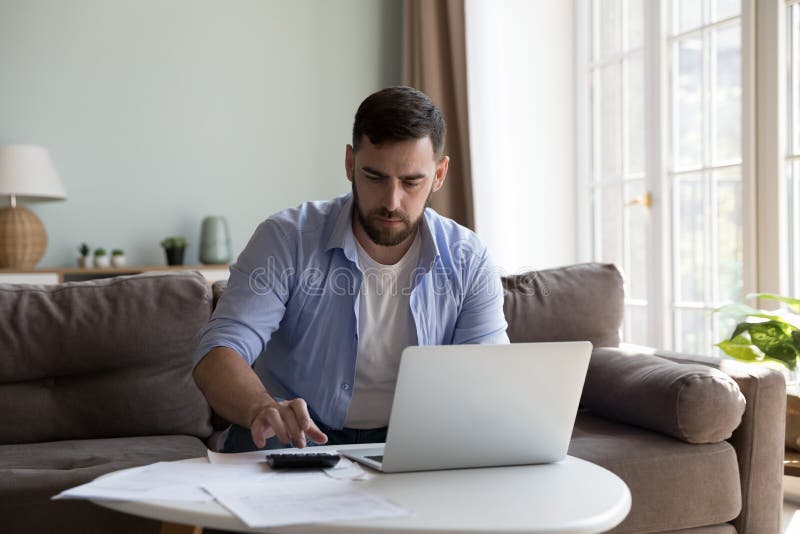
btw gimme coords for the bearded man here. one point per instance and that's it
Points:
(304, 345)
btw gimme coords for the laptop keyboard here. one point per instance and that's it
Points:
(378, 459)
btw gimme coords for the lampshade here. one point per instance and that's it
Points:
(27, 172)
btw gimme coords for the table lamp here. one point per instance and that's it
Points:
(27, 174)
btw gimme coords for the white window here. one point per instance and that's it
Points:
(792, 162)
(664, 102)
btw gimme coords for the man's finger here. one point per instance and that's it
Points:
(316, 435)
(276, 422)
(260, 432)
(289, 419)
(300, 410)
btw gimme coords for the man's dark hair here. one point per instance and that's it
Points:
(398, 114)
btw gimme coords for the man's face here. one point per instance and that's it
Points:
(392, 184)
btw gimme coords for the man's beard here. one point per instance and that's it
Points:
(383, 236)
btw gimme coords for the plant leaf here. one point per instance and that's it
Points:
(741, 328)
(794, 304)
(743, 310)
(775, 340)
(741, 349)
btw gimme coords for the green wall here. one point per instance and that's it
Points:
(160, 112)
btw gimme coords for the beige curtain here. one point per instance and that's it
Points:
(435, 62)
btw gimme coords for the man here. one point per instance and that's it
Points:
(305, 342)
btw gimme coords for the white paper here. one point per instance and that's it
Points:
(173, 481)
(279, 502)
(344, 470)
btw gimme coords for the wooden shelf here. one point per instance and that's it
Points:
(58, 275)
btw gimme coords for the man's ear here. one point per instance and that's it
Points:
(441, 172)
(349, 162)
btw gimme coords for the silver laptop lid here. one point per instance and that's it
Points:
(484, 405)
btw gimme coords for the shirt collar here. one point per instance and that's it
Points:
(342, 235)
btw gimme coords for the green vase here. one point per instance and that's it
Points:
(215, 241)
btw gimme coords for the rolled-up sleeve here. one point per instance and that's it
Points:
(253, 304)
(481, 319)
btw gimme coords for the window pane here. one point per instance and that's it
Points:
(636, 325)
(691, 332)
(727, 76)
(609, 17)
(610, 219)
(794, 50)
(610, 121)
(690, 276)
(636, 227)
(793, 176)
(635, 24)
(689, 14)
(726, 8)
(635, 101)
(689, 102)
(729, 240)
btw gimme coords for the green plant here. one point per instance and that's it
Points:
(117, 252)
(174, 242)
(100, 251)
(84, 249)
(764, 336)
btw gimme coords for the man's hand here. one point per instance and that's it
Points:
(289, 420)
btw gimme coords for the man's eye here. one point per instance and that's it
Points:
(374, 178)
(416, 183)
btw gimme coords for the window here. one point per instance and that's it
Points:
(664, 108)
(705, 167)
(616, 71)
(792, 163)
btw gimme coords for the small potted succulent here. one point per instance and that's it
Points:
(174, 247)
(100, 258)
(117, 257)
(84, 259)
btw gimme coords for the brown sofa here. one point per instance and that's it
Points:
(97, 377)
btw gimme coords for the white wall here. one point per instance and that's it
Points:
(521, 92)
(158, 113)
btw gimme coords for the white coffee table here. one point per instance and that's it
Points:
(573, 496)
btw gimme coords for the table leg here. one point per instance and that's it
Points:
(175, 528)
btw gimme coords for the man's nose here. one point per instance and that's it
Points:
(393, 193)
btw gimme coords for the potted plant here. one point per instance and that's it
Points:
(117, 257)
(174, 247)
(83, 259)
(100, 258)
(771, 337)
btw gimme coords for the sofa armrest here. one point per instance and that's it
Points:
(693, 403)
(758, 440)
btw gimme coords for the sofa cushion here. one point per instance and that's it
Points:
(577, 303)
(103, 358)
(32, 473)
(674, 485)
(692, 402)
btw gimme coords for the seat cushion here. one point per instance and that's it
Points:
(576, 303)
(32, 473)
(674, 485)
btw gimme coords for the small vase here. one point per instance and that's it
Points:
(215, 241)
(101, 262)
(118, 260)
(175, 255)
(84, 262)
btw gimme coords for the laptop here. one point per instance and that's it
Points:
(459, 406)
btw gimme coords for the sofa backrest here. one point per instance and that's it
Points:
(583, 302)
(104, 358)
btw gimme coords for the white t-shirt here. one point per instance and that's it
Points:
(385, 328)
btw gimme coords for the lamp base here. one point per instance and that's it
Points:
(23, 239)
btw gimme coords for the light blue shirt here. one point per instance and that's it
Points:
(292, 302)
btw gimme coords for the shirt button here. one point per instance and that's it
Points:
(345, 386)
